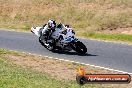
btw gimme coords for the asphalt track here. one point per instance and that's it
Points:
(106, 54)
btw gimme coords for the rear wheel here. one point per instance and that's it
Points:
(79, 47)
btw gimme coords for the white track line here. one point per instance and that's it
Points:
(106, 68)
(96, 66)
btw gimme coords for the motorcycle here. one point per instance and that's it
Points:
(61, 40)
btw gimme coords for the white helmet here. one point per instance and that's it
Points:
(51, 24)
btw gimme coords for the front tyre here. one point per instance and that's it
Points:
(79, 47)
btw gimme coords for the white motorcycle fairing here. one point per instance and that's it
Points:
(36, 30)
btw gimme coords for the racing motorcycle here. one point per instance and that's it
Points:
(61, 40)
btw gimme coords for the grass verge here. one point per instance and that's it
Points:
(112, 37)
(16, 73)
(20, 70)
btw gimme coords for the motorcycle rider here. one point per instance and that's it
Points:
(47, 30)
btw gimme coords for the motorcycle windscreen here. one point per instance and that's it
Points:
(36, 31)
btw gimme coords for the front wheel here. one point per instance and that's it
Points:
(79, 47)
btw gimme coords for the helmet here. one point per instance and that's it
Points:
(51, 24)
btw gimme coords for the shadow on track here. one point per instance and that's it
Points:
(74, 53)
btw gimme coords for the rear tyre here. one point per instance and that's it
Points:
(79, 47)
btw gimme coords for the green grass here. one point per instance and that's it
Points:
(116, 37)
(14, 76)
